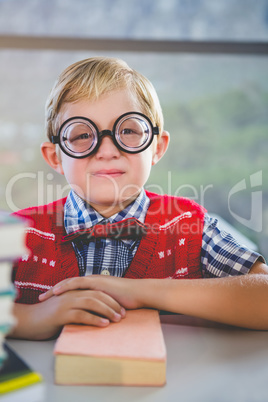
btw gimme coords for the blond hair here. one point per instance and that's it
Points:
(96, 76)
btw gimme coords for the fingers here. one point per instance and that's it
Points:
(101, 303)
(83, 304)
(78, 282)
(97, 303)
(87, 307)
(46, 295)
(67, 284)
(86, 318)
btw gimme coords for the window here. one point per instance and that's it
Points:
(214, 103)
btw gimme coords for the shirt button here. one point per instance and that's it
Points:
(105, 272)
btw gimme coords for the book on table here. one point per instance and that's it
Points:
(131, 352)
(18, 381)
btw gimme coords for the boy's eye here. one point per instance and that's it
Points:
(78, 132)
(77, 137)
(129, 131)
(133, 132)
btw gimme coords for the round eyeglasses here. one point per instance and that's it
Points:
(79, 137)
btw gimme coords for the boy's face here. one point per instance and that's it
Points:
(109, 179)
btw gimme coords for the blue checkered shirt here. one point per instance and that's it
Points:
(221, 254)
(101, 254)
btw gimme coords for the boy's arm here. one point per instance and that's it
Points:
(45, 320)
(259, 268)
(241, 301)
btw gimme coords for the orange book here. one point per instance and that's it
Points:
(131, 352)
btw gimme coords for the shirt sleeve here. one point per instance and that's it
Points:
(221, 254)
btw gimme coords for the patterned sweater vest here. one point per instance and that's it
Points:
(170, 249)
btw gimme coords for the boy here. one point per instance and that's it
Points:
(105, 130)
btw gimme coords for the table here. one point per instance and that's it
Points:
(205, 362)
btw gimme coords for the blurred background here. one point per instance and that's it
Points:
(208, 62)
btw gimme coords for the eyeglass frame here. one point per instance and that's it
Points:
(57, 139)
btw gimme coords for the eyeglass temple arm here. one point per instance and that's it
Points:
(55, 139)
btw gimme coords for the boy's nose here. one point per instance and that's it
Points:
(107, 149)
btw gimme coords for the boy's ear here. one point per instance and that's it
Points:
(161, 147)
(49, 153)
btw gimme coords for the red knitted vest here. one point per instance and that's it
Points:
(170, 249)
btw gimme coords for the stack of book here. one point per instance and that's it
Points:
(15, 374)
(12, 246)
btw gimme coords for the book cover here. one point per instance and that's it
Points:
(131, 352)
(16, 376)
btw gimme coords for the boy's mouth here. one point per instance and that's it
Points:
(108, 173)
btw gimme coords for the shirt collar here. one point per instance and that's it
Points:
(78, 214)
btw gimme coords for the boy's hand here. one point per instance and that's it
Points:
(45, 320)
(125, 291)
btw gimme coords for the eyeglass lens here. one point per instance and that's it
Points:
(131, 133)
(79, 137)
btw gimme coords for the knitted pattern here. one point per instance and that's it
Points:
(170, 249)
